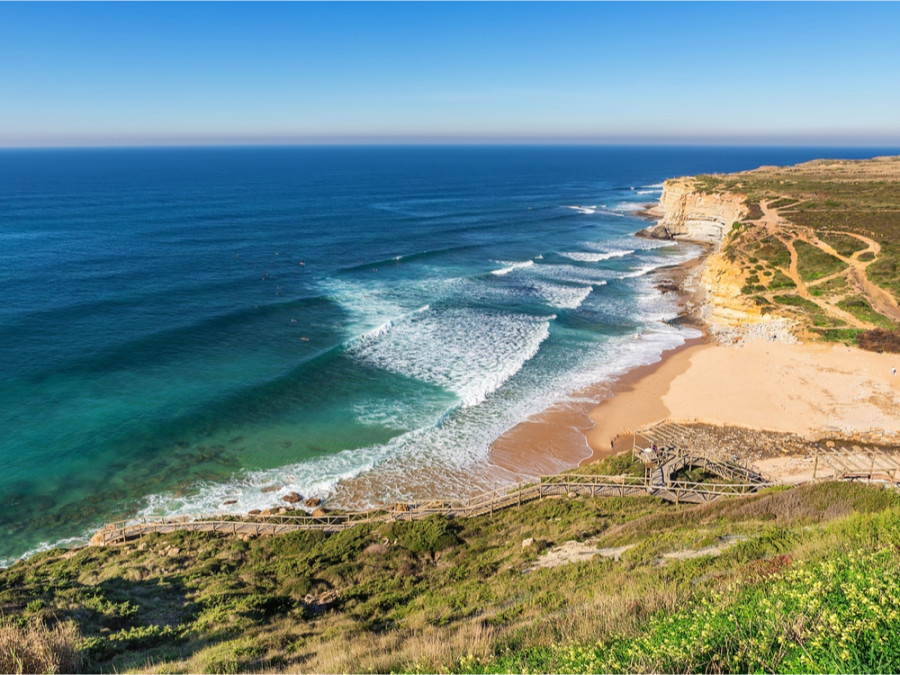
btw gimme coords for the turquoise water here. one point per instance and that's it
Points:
(181, 326)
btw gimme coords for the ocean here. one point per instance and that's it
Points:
(181, 328)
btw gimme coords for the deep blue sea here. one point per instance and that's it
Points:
(183, 327)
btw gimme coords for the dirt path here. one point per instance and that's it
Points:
(803, 291)
(880, 300)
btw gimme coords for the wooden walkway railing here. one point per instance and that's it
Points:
(483, 504)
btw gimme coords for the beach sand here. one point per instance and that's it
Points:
(800, 388)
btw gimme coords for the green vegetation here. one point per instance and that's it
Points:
(754, 210)
(808, 309)
(886, 270)
(834, 615)
(773, 251)
(782, 203)
(814, 263)
(863, 310)
(466, 595)
(844, 244)
(780, 281)
(848, 336)
(831, 287)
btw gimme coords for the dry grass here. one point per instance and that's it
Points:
(38, 648)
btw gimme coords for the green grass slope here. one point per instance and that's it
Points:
(785, 581)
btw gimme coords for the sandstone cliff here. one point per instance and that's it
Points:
(688, 215)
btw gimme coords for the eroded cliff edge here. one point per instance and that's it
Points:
(687, 213)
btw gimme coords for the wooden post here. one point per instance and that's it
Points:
(816, 463)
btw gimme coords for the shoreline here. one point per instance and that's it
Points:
(567, 435)
(553, 440)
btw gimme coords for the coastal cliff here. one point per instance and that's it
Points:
(796, 252)
(687, 214)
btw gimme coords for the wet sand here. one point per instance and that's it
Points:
(567, 435)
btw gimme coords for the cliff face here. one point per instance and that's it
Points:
(688, 215)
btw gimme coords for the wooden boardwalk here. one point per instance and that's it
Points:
(486, 504)
(664, 448)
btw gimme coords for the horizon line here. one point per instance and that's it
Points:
(469, 142)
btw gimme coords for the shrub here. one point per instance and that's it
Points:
(880, 339)
(430, 535)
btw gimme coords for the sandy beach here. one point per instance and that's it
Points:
(808, 389)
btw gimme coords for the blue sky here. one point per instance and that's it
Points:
(173, 73)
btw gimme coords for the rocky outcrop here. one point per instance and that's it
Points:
(688, 215)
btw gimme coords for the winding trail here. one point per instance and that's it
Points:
(880, 299)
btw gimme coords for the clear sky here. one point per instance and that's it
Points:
(173, 73)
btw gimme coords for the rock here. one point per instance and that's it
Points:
(312, 502)
(271, 488)
(270, 512)
(142, 547)
(527, 542)
(320, 512)
(292, 497)
(229, 502)
(172, 552)
(400, 507)
(572, 495)
(254, 512)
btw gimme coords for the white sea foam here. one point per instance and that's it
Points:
(470, 352)
(581, 256)
(648, 192)
(641, 270)
(511, 267)
(586, 210)
(458, 440)
(316, 477)
(46, 546)
(633, 243)
(466, 351)
(629, 207)
(387, 325)
(564, 296)
(574, 274)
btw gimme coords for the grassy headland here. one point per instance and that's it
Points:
(820, 244)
